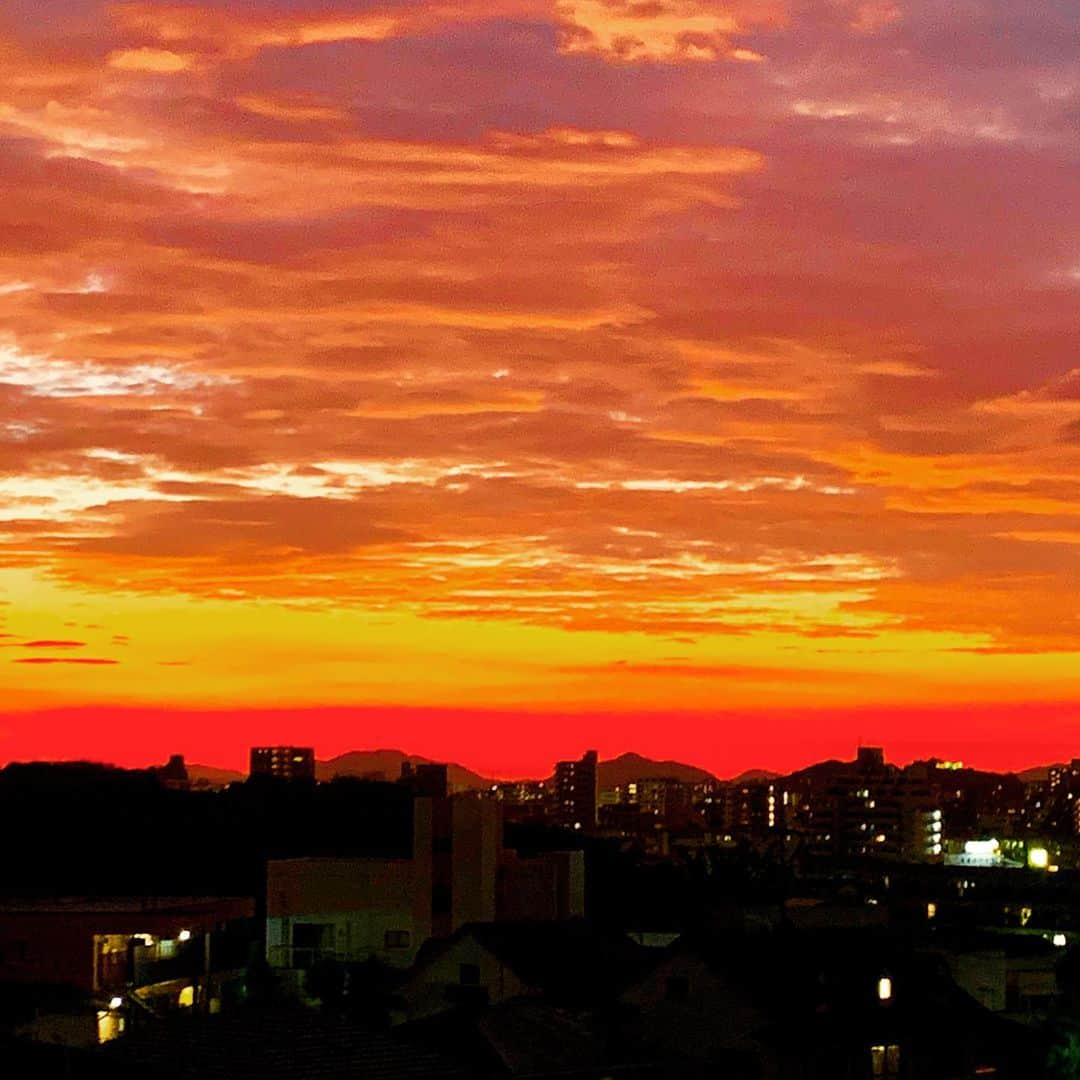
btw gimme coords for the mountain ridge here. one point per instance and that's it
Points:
(385, 764)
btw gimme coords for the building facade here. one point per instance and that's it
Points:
(285, 762)
(576, 792)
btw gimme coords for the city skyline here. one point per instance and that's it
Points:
(692, 378)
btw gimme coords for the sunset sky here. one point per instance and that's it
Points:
(498, 378)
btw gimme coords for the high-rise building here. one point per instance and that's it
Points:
(748, 808)
(880, 810)
(428, 780)
(576, 792)
(666, 798)
(287, 762)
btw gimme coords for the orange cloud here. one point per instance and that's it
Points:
(155, 61)
(211, 31)
(669, 31)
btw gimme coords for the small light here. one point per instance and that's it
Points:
(1038, 858)
(884, 988)
(1060, 941)
(116, 1002)
(184, 935)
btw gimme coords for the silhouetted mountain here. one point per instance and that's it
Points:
(755, 776)
(627, 767)
(819, 770)
(386, 765)
(211, 776)
(1038, 774)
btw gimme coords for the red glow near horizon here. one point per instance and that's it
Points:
(505, 745)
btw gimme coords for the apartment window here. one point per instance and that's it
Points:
(441, 898)
(313, 936)
(885, 1061)
(469, 974)
(396, 939)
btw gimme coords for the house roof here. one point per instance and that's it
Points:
(528, 1038)
(532, 1037)
(823, 985)
(571, 960)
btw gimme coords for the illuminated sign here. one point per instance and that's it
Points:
(1038, 858)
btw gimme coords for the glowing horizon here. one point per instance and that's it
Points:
(579, 358)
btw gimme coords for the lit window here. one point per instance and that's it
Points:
(109, 1026)
(885, 1061)
(187, 997)
(884, 988)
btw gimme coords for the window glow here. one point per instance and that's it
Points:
(884, 988)
(885, 1060)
